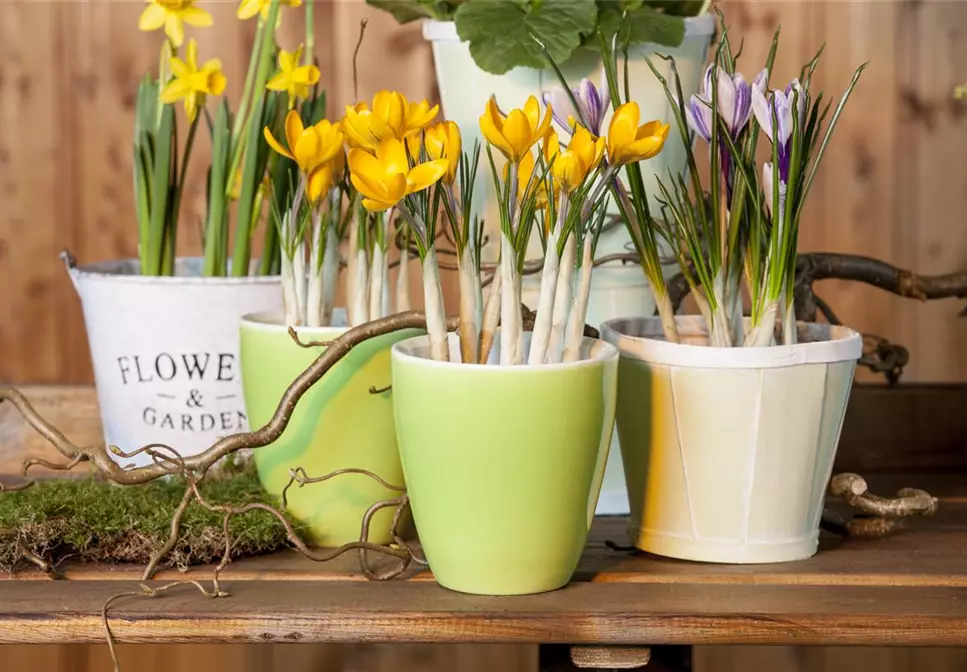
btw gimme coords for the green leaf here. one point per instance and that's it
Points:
(501, 33)
(405, 11)
(644, 25)
(680, 7)
(253, 169)
(160, 186)
(217, 221)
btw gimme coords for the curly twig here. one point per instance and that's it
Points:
(200, 463)
(307, 344)
(146, 591)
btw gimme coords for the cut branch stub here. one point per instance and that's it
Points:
(878, 516)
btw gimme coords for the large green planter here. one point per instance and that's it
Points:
(337, 424)
(503, 464)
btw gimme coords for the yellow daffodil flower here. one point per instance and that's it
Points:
(516, 133)
(308, 147)
(193, 83)
(443, 141)
(173, 15)
(419, 116)
(293, 78)
(319, 181)
(628, 142)
(249, 8)
(386, 177)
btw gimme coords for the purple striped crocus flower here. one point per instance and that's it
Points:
(734, 101)
(592, 103)
(763, 104)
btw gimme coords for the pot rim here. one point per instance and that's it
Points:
(274, 322)
(600, 352)
(111, 270)
(446, 31)
(841, 344)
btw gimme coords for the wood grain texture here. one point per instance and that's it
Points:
(891, 186)
(903, 591)
(593, 613)
(909, 428)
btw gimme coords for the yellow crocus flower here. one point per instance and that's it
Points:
(249, 8)
(443, 141)
(368, 127)
(319, 181)
(386, 177)
(589, 148)
(419, 116)
(193, 83)
(628, 142)
(571, 167)
(525, 170)
(294, 79)
(308, 147)
(339, 166)
(173, 15)
(516, 133)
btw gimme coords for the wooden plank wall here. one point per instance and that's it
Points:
(894, 186)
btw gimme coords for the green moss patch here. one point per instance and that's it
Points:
(92, 521)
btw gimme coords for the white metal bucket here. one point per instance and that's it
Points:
(465, 89)
(165, 351)
(728, 451)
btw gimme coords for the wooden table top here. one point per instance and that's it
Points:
(907, 590)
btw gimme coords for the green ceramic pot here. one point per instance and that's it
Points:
(338, 423)
(503, 464)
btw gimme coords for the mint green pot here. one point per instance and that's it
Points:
(503, 464)
(337, 424)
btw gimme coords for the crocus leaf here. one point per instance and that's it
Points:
(641, 26)
(502, 34)
(405, 11)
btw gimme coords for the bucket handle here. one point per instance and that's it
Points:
(70, 263)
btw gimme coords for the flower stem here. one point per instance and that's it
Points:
(436, 320)
(330, 273)
(667, 315)
(511, 328)
(244, 101)
(491, 316)
(403, 277)
(545, 304)
(314, 296)
(377, 280)
(310, 31)
(562, 301)
(579, 312)
(469, 309)
(266, 53)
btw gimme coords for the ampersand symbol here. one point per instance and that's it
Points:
(194, 399)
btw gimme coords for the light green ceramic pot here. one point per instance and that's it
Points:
(338, 423)
(503, 464)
